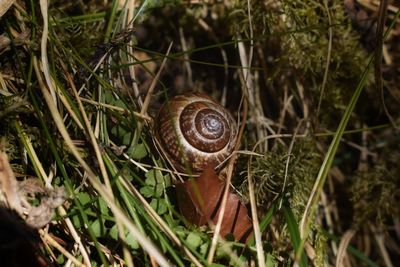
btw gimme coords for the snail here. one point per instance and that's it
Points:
(193, 131)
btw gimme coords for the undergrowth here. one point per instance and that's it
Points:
(72, 115)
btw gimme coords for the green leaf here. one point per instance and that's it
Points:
(270, 261)
(148, 191)
(126, 140)
(103, 206)
(159, 205)
(114, 232)
(131, 241)
(119, 131)
(155, 182)
(167, 180)
(120, 103)
(98, 227)
(76, 220)
(60, 259)
(154, 177)
(129, 238)
(193, 240)
(180, 231)
(109, 96)
(137, 152)
(204, 248)
(84, 198)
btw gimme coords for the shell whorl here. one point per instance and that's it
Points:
(194, 131)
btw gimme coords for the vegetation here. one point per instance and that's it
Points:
(80, 84)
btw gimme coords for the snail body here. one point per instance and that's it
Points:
(193, 131)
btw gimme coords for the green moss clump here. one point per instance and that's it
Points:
(268, 173)
(375, 194)
(295, 37)
(320, 245)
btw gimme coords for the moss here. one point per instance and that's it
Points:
(320, 248)
(374, 194)
(295, 36)
(268, 173)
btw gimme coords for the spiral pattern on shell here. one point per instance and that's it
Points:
(193, 131)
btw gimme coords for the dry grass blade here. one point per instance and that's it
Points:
(129, 21)
(342, 250)
(5, 5)
(253, 205)
(43, 49)
(382, 248)
(76, 237)
(9, 185)
(46, 237)
(326, 165)
(79, 88)
(154, 83)
(382, 16)
(146, 102)
(144, 241)
(229, 172)
(163, 225)
(99, 157)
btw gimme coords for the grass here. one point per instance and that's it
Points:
(77, 98)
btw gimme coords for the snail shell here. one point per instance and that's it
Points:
(194, 131)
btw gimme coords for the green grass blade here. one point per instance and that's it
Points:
(327, 163)
(294, 234)
(265, 221)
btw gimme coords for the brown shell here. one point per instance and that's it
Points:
(194, 131)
